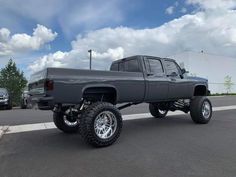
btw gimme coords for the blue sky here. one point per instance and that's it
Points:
(66, 29)
(137, 14)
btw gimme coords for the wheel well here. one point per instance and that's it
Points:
(200, 90)
(107, 94)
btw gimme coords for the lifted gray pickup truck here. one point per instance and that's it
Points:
(86, 100)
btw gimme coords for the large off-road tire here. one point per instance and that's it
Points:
(101, 124)
(201, 110)
(156, 112)
(68, 123)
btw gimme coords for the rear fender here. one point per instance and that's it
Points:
(100, 87)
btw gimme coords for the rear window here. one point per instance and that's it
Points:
(130, 65)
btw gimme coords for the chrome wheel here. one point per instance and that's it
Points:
(105, 124)
(71, 117)
(206, 109)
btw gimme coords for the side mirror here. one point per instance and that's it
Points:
(183, 71)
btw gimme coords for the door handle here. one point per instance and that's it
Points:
(172, 79)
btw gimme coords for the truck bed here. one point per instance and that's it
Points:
(69, 84)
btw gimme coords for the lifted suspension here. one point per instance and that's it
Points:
(126, 105)
(182, 105)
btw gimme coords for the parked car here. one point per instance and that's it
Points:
(5, 99)
(86, 100)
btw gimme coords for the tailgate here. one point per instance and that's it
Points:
(37, 83)
(39, 86)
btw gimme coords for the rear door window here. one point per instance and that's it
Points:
(127, 65)
(132, 65)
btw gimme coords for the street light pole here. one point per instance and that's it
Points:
(90, 59)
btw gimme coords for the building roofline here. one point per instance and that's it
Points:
(200, 52)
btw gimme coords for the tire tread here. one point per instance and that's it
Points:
(86, 124)
(60, 124)
(195, 110)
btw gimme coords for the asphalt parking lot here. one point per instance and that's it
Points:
(147, 147)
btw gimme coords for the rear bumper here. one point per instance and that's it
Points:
(43, 103)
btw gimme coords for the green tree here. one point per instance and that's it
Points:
(228, 84)
(13, 80)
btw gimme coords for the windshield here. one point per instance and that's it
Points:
(3, 90)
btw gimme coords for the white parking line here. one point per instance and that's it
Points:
(3, 129)
(223, 108)
(217, 96)
(50, 125)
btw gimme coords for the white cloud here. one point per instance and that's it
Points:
(91, 15)
(71, 16)
(213, 4)
(111, 54)
(38, 10)
(183, 10)
(77, 59)
(4, 34)
(176, 3)
(170, 10)
(55, 59)
(23, 42)
(210, 31)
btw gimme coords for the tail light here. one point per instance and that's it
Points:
(48, 85)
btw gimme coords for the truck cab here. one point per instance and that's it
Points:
(162, 75)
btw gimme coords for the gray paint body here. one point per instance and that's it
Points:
(69, 85)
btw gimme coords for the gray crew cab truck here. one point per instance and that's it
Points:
(86, 100)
